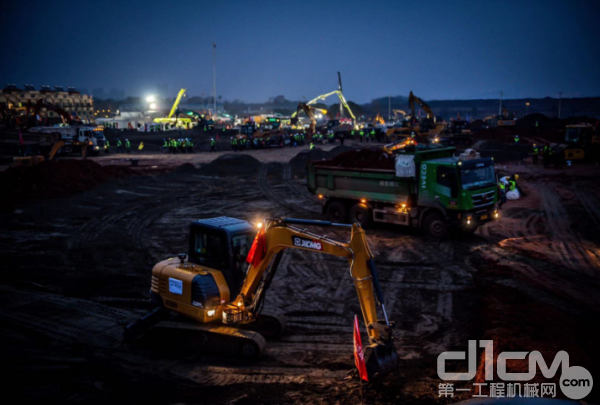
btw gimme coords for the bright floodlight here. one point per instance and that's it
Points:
(153, 106)
(150, 99)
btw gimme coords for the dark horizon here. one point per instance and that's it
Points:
(462, 50)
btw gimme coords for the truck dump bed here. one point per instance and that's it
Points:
(349, 176)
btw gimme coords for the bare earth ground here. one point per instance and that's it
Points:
(75, 270)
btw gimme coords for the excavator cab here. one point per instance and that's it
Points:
(222, 243)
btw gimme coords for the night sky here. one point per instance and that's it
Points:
(440, 50)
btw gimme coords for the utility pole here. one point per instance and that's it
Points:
(559, 102)
(215, 80)
(500, 108)
(390, 107)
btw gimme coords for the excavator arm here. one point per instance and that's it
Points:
(412, 99)
(176, 103)
(280, 234)
(309, 111)
(324, 96)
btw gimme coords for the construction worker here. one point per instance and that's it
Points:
(107, 150)
(372, 135)
(361, 134)
(165, 146)
(312, 146)
(546, 155)
(183, 145)
(512, 182)
(341, 136)
(119, 146)
(190, 146)
(233, 143)
(517, 139)
(128, 145)
(501, 193)
(535, 152)
(213, 145)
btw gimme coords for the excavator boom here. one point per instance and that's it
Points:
(176, 103)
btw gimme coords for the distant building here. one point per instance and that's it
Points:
(71, 100)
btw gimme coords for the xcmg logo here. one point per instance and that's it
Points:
(575, 382)
(307, 243)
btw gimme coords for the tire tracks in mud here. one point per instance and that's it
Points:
(564, 240)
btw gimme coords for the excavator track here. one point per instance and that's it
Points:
(220, 339)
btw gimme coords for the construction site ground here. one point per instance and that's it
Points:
(76, 269)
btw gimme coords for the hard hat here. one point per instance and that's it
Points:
(212, 139)
(516, 177)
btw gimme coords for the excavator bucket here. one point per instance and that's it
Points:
(381, 359)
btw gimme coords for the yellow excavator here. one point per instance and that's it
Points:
(212, 286)
(425, 127)
(310, 113)
(173, 118)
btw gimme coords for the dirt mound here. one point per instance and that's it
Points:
(55, 179)
(361, 159)
(185, 168)
(300, 161)
(232, 164)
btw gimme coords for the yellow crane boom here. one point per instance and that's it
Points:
(176, 103)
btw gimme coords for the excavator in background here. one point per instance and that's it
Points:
(335, 125)
(267, 133)
(33, 153)
(211, 286)
(582, 143)
(378, 120)
(412, 125)
(398, 112)
(173, 117)
(506, 119)
(310, 113)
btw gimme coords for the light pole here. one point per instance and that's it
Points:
(526, 108)
(215, 79)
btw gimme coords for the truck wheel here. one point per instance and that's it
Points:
(435, 225)
(336, 212)
(361, 215)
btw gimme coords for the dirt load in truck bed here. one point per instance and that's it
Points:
(361, 159)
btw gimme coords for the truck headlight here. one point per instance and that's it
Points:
(211, 312)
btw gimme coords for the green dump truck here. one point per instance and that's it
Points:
(430, 189)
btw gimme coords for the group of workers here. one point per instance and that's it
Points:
(365, 135)
(550, 155)
(181, 145)
(505, 185)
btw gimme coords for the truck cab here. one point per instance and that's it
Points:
(464, 191)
